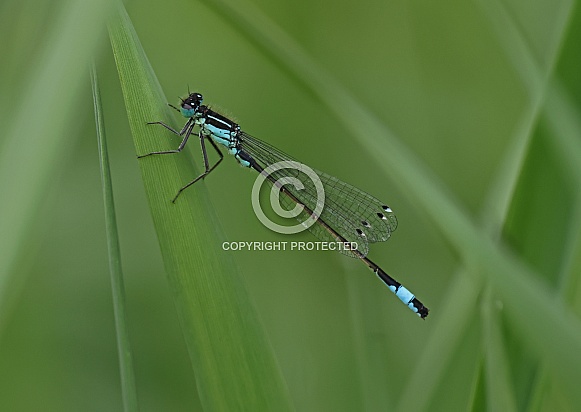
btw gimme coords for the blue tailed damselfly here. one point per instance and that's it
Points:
(349, 216)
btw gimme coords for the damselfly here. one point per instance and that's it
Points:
(349, 215)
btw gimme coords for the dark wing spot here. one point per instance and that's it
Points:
(381, 216)
(366, 224)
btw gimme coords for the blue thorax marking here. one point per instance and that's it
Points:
(222, 131)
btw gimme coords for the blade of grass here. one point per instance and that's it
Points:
(532, 307)
(499, 391)
(232, 358)
(128, 389)
(450, 329)
(464, 288)
(30, 160)
(537, 82)
(562, 118)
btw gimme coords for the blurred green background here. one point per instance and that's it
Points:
(462, 85)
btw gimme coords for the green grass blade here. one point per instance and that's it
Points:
(128, 389)
(459, 309)
(563, 118)
(232, 358)
(544, 182)
(499, 391)
(558, 105)
(29, 160)
(450, 329)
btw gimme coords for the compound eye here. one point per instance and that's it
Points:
(188, 109)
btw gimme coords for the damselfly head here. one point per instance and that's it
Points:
(191, 104)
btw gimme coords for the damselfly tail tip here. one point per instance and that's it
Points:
(422, 310)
